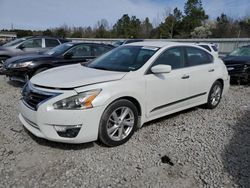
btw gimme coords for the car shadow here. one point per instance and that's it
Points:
(236, 156)
(164, 118)
(15, 84)
(58, 145)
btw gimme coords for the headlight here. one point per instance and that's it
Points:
(20, 65)
(78, 102)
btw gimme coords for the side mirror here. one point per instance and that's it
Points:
(68, 55)
(158, 69)
(21, 47)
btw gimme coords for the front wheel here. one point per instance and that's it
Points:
(118, 123)
(214, 96)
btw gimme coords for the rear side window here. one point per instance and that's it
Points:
(215, 48)
(205, 47)
(51, 43)
(99, 50)
(195, 56)
(173, 57)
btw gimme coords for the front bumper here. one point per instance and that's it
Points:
(41, 122)
(16, 74)
(238, 72)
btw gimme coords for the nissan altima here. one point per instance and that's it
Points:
(118, 92)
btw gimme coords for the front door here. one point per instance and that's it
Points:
(167, 92)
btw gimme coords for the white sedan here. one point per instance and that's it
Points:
(115, 94)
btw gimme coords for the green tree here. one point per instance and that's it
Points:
(171, 27)
(194, 16)
(102, 29)
(127, 27)
(245, 27)
(146, 28)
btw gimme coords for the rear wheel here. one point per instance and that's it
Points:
(118, 123)
(214, 96)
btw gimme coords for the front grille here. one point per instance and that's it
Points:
(33, 97)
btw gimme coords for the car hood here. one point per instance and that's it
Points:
(74, 76)
(25, 58)
(236, 60)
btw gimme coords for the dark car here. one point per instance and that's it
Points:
(28, 45)
(238, 64)
(21, 68)
(119, 42)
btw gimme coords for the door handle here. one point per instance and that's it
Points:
(211, 70)
(185, 77)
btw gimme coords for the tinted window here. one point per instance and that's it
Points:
(99, 50)
(241, 52)
(205, 47)
(81, 51)
(51, 42)
(59, 49)
(64, 40)
(131, 41)
(33, 43)
(14, 42)
(173, 57)
(197, 56)
(215, 48)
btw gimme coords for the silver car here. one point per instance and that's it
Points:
(28, 45)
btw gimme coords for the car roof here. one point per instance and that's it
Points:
(83, 42)
(160, 44)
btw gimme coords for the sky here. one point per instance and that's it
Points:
(43, 14)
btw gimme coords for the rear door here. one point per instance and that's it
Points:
(51, 43)
(200, 71)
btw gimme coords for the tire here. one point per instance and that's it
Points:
(40, 70)
(118, 123)
(214, 95)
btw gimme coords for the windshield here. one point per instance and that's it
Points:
(124, 59)
(59, 49)
(14, 42)
(117, 43)
(241, 52)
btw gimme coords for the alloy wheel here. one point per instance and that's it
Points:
(120, 123)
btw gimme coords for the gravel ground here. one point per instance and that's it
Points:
(194, 148)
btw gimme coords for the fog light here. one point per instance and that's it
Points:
(68, 131)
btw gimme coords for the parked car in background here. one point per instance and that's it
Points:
(119, 42)
(22, 68)
(109, 98)
(212, 48)
(238, 64)
(28, 45)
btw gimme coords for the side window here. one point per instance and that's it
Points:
(99, 50)
(51, 43)
(80, 51)
(205, 47)
(197, 56)
(33, 43)
(173, 57)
